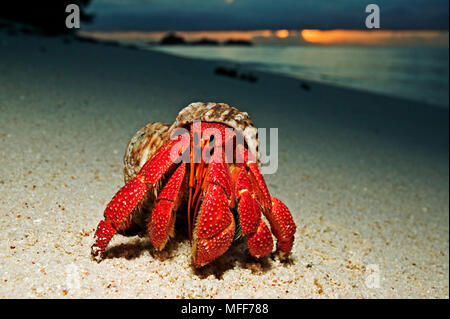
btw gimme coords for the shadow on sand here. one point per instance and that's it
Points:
(236, 256)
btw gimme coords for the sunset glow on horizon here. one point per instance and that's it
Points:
(377, 37)
(293, 37)
(282, 34)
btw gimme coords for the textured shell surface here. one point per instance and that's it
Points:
(220, 113)
(152, 136)
(142, 146)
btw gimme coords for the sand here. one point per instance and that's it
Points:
(365, 176)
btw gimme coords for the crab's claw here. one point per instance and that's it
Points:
(259, 239)
(214, 229)
(214, 226)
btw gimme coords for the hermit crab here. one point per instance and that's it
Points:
(205, 165)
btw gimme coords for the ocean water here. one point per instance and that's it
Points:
(420, 74)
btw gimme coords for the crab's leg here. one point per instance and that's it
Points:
(259, 239)
(260, 243)
(128, 199)
(261, 191)
(282, 226)
(161, 225)
(279, 217)
(118, 214)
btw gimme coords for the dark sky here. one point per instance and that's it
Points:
(155, 15)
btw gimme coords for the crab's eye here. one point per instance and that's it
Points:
(211, 139)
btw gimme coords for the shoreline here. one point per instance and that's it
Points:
(365, 176)
(318, 74)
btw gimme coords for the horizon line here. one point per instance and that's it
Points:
(293, 36)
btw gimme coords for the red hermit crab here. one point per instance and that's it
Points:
(206, 162)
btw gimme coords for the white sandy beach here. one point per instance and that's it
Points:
(365, 176)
